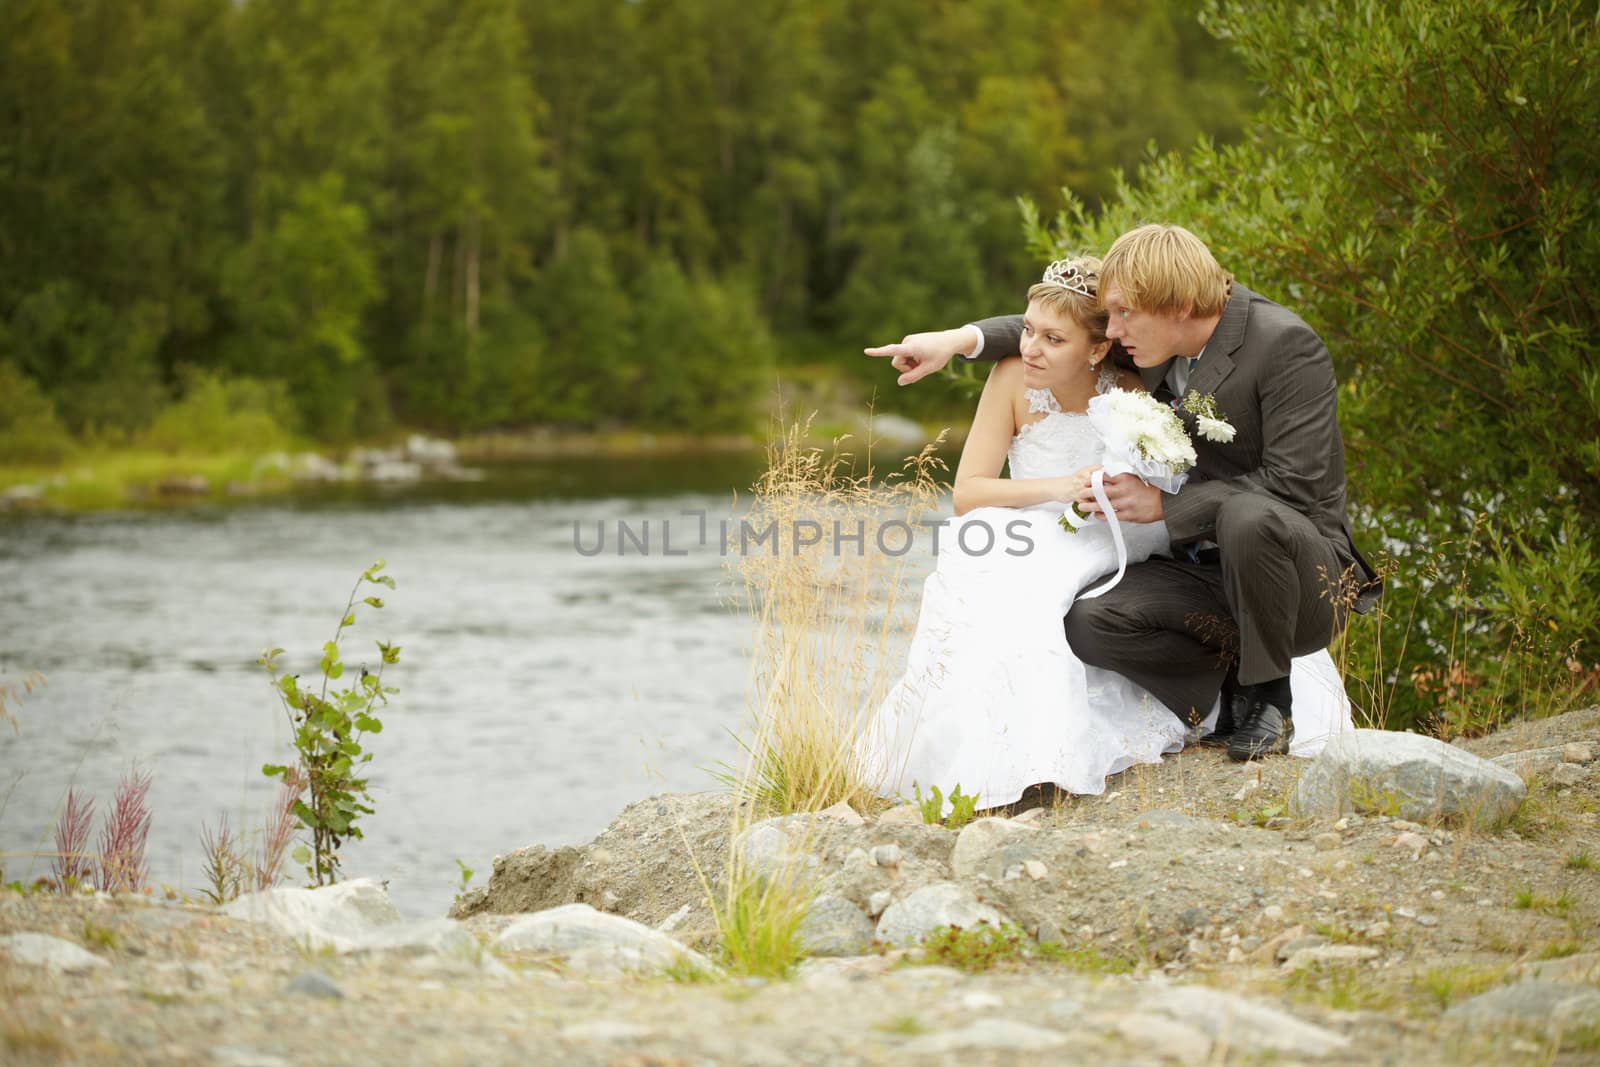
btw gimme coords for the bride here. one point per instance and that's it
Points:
(993, 700)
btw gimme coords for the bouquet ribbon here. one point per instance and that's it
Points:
(1097, 483)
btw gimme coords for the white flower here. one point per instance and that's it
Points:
(1220, 430)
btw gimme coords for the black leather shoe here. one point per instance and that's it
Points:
(1235, 709)
(1266, 731)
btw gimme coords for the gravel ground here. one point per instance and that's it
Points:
(1186, 872)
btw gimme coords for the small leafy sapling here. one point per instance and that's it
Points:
(962, 807)
(328, 725)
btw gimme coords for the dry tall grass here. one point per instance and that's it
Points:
(824, 607)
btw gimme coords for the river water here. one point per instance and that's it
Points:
(542, 688)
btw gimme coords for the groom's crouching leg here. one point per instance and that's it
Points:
(1275, 568)
(1143, 630)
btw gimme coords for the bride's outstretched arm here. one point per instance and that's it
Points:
(978, 481)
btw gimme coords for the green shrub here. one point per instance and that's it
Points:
(1427, 204)
(30, 429)
(217, 413)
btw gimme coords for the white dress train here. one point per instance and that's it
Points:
(993, 699)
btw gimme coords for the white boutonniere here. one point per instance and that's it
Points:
(1212, 425)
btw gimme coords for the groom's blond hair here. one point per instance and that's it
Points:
(1166, 269)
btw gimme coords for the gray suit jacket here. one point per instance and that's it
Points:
(1273, 380)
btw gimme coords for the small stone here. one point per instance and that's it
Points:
(1406, 824)
(1327, 842)
(1279, 822)
(987, 1035)
(1569, 774)
(1273, 912)
(1049, 933)
(1424, 919)
(52, 953)
(1378, 931)
(1577, 752)
(979, 1001)
(1167, 1038)
(1035, 869)
(833, 926)
(1322, 954)
(244, 1056)
(843, 813)
(314, 984)
(989, 846)
(1300, 944)
(878, 902)
(1342, 824)
(886, 855)
(905, 814)
(1412, 842)
(1031, 815)
(1192, 918)
(908, 921)
(605, 1030)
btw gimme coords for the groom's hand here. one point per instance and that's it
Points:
(921, 354)
(1133, 500)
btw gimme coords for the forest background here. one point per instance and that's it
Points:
(332, 219)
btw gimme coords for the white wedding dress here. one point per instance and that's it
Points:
(993, 699)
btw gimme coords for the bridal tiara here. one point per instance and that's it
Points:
(1067, 274)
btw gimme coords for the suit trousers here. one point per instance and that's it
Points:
(1177, 627)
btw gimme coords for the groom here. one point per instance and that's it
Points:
(1263, 568)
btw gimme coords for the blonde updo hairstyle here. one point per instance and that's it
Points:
(1083, 308)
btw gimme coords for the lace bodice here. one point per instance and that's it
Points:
(1059, 443)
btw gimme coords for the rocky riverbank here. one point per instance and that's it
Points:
(1201, 911)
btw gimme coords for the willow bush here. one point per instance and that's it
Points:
(1419, 185)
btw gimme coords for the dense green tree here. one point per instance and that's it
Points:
(390, 205)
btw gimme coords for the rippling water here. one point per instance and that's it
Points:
(541, 690)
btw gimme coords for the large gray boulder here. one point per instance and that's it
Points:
(1245, 1025)
(1419, 778)
(643, 866)
(339, 917)
(833, 926)
(577, 930)
(1532, 1002)
(906, 922)
(51, 953)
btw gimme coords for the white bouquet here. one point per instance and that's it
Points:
(1143, 436)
